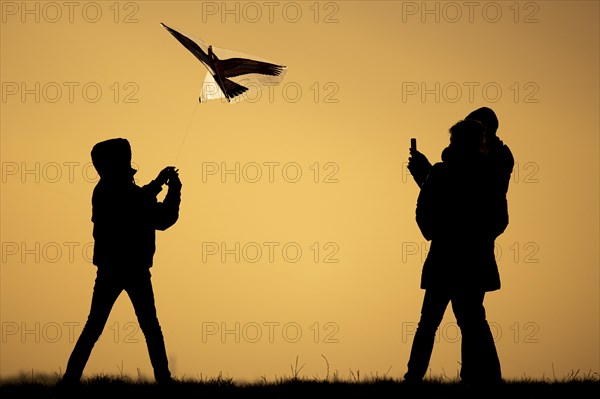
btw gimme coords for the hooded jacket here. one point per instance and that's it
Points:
(125, 215)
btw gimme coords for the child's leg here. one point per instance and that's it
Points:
(142, 297)
(106, 292)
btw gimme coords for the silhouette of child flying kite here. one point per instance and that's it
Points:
(125, 218)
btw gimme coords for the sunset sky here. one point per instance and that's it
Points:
(297, 233)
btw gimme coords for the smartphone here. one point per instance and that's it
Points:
(413, 144)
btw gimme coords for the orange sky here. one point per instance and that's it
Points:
(297, 234)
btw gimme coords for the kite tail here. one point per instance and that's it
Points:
(232, 89)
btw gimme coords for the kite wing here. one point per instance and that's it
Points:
(191, 45)
(242, 66)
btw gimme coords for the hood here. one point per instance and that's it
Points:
(112, 158)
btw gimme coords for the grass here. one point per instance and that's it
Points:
(32, 386)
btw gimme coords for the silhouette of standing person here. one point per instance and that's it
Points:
(461, 209)
(125, 217)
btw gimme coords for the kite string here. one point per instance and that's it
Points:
(186, 133)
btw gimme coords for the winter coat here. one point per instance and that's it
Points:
(462, 208)
(125, 218)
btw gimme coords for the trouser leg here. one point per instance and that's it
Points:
(480, 362)
(142, 298)
(432, 312)
(105, 294)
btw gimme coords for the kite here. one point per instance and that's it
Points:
(230, 77)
